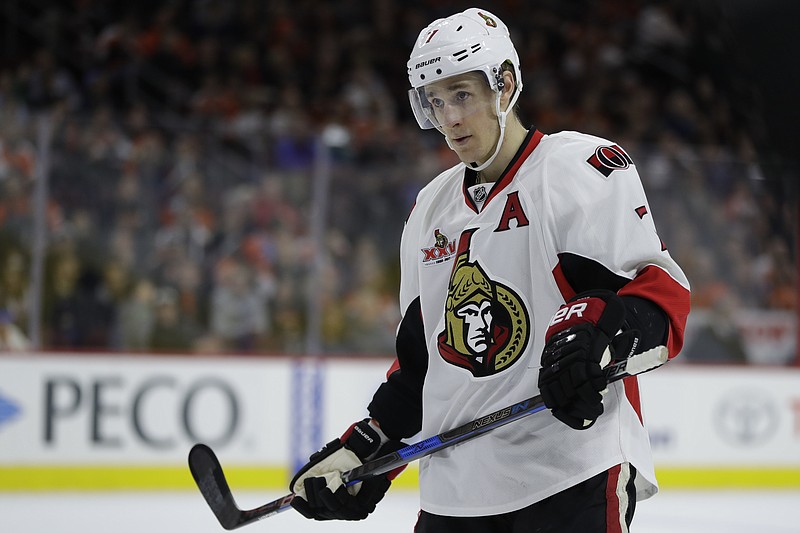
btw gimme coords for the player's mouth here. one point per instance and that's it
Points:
(461, 141)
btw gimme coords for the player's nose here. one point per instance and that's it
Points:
(451, 115)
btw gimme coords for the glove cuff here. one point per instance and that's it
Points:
(364, 439)
(601, 308)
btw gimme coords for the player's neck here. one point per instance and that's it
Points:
(514, 136)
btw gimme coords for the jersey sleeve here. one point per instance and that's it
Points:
(605, 235)
(397, 404)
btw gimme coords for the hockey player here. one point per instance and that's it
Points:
(548, 263)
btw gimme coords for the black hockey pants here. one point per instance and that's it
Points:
(602, 504)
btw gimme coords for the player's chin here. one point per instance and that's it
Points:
(465, 155)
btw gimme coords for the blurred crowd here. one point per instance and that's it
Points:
(186, 140)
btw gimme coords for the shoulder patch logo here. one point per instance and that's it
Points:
(442, 250)
(607, 159)
(486, 324)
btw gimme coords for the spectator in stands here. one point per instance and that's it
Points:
(161, 141)
(12, 339)
(172, 332)
(15, 289)
(136, 318)
(238, 307)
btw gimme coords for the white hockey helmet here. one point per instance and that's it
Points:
(474, 40)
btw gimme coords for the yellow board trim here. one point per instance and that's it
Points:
(69, 478)
(37, 478)
(57, 478)
(729, 478)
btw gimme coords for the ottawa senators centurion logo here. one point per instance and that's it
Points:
(486, 325)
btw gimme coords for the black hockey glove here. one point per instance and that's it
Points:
(319, 491)
(580, 341)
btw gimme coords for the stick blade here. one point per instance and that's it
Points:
(210, 479)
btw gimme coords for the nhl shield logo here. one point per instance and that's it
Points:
(486, 325)
(480, 194)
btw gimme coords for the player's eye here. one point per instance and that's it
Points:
(462, 96)
(435, 102)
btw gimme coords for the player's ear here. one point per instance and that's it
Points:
(509, 86)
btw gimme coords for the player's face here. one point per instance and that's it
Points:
(477, 325)
(463, 107)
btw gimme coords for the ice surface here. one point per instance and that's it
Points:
(173, 512)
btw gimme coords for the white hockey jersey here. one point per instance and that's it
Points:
(483, 270)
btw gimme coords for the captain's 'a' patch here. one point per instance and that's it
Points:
(607, 159)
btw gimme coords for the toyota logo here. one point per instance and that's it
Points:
(747, 418)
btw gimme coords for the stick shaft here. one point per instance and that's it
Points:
(210, 478)
(380, 465)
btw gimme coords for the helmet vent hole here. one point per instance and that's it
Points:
(461, 55)
(459, 28)
(475, 47)
(438, 71)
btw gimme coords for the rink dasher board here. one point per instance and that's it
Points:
(106, 422)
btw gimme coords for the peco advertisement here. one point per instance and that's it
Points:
(139, 410)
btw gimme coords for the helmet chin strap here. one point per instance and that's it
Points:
(501, 118)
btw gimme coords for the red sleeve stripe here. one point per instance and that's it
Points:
(394, 368)
(654, 284)
(631, 384)
(564, 287)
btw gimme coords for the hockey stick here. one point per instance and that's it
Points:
(210, 478)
